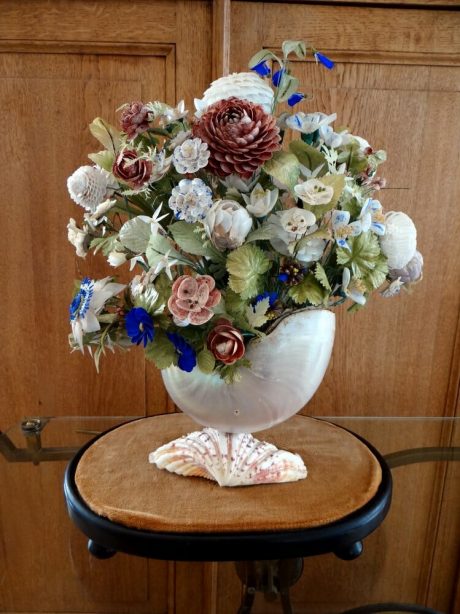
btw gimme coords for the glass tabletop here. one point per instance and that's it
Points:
(402, 440)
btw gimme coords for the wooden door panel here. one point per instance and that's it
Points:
(54, 97)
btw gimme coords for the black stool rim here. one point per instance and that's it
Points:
(341, 537)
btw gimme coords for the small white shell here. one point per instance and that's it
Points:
(229, 459)
(242, 85)
(400, 239)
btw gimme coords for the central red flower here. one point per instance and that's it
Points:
(226, 342)
(240, 136)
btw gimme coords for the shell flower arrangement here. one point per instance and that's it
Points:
(228, 233)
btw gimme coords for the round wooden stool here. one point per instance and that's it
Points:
(124, 504)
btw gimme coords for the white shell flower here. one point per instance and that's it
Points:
(331, 138)
(171, 114)
(161, 165)
(103, 208)
(291, 225)
(372, 217)
(192, 155)
(88, 186)
(353, 288)
(309, 122)
(179, 138)
(236, 184)
(400, 239)
(116, 259)
(190, 200)
(79, 238)
(142, 286)
(296, 221)
(88, 303)
(393, 289)
(261, 201)
(314, 192)
(342, 229)
(227, 224)
(242, 85)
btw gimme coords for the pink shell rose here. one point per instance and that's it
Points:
(192, 298)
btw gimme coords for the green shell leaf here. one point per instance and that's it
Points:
(256, 316)
(104, 159)
(157, 247)
(135, 235)
(234, 304)
(161, 351)
(377, 276)
(206, 361)
(287, 87)
(297, 47)
(363, 255)
(307, 155)
(261, 56)
(262, 233)
(105, 244)
(308, 291)
(186, 236)
(320, 275)
(284, 167)
(246, 265)
(105, 134)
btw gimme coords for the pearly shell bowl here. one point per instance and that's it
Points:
(287, 367)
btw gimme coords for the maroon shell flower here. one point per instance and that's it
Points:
(132, 170)
(240, 136)
(226, 342)
(134, 119)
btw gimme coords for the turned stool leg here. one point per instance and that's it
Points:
(272, 578)
(100, 552)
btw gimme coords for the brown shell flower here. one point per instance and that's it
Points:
(134, 119)
(240, 136)
(226, 342)
(131, 169)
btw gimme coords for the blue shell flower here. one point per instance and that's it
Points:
(80, 304)
(295, 98)
(139, 326)
(261, 69)
(272, 298)
(277, 76)
(325, 61)
(283, 277)
(186, 354)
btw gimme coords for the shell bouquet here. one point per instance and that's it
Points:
(230, 218)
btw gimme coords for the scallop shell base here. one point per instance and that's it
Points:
(230, 459)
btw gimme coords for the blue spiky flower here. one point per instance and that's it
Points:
(81, 302)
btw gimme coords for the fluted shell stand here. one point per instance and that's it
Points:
(287, 366)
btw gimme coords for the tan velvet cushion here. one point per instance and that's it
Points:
(116, 480)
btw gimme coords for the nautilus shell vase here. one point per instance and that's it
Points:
(287, 367)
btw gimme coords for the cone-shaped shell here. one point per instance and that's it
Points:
(400, 239)
(288, 365)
